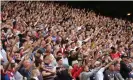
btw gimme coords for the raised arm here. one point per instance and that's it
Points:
(93, 71)
(110, 63)
(20, 64)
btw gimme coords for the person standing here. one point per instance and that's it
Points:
(124, 69)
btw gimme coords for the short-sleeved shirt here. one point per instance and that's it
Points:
(115, 55)
(99, 75)
(49, 67)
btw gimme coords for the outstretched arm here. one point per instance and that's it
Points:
(110, 63)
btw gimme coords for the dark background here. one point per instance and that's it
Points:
(118, 9)
(115, 9)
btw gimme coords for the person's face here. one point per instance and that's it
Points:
(97, 65)
(59, 55)
(48, 48)
(65, 55)
(117, 67)
(73, 54)
(43, 43)
(73, 44)
(17, 55)
(68, 48)
(10, 40)
(38, 55)
(83, 47)
(76, 65)
(111, 68)
(86, 68)
(60, 62)
(27, 38)
(124, 59)
(26, 63)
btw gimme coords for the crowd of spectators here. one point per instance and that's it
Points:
(50, 41)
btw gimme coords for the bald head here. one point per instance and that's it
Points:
(26, 63)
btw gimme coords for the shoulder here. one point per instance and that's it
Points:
(122, 63)
(106, 72)
(80, 74)
(102, 70)
(118, 74)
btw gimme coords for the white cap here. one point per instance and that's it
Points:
(70, 67)
(74, 62)
(97, 62)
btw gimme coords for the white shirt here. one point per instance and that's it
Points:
(1, 57)
(80, 43)
(35, 78)
(99, 75)
(3, 54)
(18, 76)
(17, 44)
(65, 61)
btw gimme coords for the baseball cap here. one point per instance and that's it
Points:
(74, 62)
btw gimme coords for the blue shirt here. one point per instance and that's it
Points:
(54, 38)
(25, 73)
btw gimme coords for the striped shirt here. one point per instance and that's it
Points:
(49, 67)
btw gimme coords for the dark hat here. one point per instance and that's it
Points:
(66, 52)
(58, 58)
(39, 51)
(113, 48)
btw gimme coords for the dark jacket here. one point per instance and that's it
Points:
(108, 75)
(124, 70)
(63, 75)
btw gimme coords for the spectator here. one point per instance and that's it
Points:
(124, 70)
(76, 70)
(35, 73)
(114, 54)
(86, 74)
(100, 75)
(48, 70)
(117, 74)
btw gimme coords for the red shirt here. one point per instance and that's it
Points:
(76, 72)
(62, 50)
(10, 73)
(115, 55)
